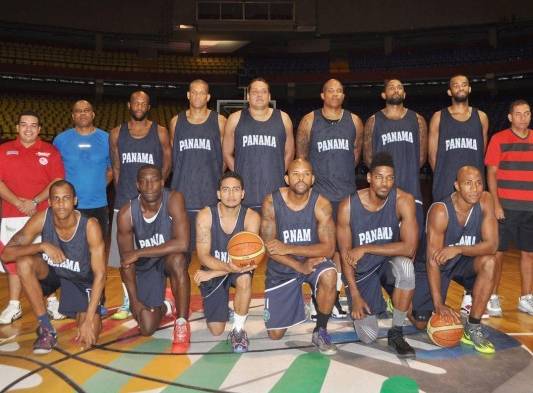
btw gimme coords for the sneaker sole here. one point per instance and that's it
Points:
(41, 351)
(328, 352)
(120, 316)
(51, 316)
(480, 350)
(521, 309)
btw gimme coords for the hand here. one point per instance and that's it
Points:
(26, 206)
(354, 255)
(360, 308)
(447, 313)
(442, 256)
(129, 257)
(202, 275)
(53, 252)
(309, 266)
(233, 268)
(86, 334)
(136, 307)
(276, 247)
(498, 212)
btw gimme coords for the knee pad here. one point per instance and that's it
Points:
(404, 272)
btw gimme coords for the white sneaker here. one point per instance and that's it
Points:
(11, 313)
(52, 307)
(494, 308)
(525, 304)
(466, 306)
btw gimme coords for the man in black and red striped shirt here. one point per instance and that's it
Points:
(509, 163)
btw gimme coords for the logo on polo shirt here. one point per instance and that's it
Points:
(12, 153)
(43, 161)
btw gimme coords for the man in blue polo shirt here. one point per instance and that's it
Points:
(85, 153)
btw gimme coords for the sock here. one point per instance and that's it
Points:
(474, 321)
(398, 317)
(181, 321)
(321, 320)
(52, 298)
(238, 321)
(44, 321)
(339, 282)
(15, 303)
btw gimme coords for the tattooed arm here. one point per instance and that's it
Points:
(358, 142)
(303, 136)
(367, 142)
(423, 131)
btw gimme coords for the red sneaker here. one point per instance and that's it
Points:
(182, 333)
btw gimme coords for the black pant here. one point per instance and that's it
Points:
(102, 215)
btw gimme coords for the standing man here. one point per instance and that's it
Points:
(258, 144)
(135, 143)
(28, 167)
(71, 256)
(462, 237)
(196, 138)
(402, 133)
(153, 237)
(85, 153)
(509, 163)
(300, 237)
(457, 137)
(377, 233)
(330, 138)
(216, 225)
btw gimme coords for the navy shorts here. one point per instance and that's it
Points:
(192, 229)
(215, 295)
(370, 286)
(462, 272)
(517, 228)
(75, 296)
(284, 301)
(151, 284)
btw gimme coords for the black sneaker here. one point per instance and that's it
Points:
(398, 343)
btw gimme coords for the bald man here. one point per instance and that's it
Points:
(462, 238)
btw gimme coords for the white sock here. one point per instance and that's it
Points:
(238, 321)
(125, 291)
(51, 298)
(14, 303)
(181, 321)
(339, 282)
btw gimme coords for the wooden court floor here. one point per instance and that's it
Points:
(125, 362)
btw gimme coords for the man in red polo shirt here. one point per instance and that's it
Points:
(509, 163)
(29, 166)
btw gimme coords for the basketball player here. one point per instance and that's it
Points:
(402, 133)
(330, 138)
(71, 256)
(457, 137)
(215, 225)
(153, 237)
(196, 137)
(300, 237)
(133, 144)
(462, 238)
(258, 144)
(377, 233)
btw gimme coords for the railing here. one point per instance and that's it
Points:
(219, 10)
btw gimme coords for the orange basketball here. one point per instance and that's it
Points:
(246, 248)
(442, 333)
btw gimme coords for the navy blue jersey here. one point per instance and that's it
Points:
(401, 139)
(151, 232)
(134, 153)
(460, 144)
(219, 238)
(77, 265)
(260, 155)
(293, 227)
(379, 227)
(331, 152)
(468, 234)
(197, 160)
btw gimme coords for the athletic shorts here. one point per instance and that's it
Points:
(8, 227)
(75, 296)
(114, 255)
(192, 224)
(215, 295)
(102, 215)
(517, 228)
(370, 284)
(462, 273)
(284, 301)
(151, 284)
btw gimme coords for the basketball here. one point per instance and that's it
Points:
(442, 333)
(246, 248)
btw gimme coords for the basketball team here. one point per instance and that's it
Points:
(240, 174)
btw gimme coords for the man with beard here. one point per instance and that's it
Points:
(402, 133)
(377, 234)
(457, 137)
(76, 265)
(258, 144)
(133, 144)
(300, 237)
(153, 237)
(216, 225)
(462, 237)
(196, 138)
(330, 138)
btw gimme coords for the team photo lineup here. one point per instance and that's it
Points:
(255, 188)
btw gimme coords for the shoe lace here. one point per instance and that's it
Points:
(478, 332)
